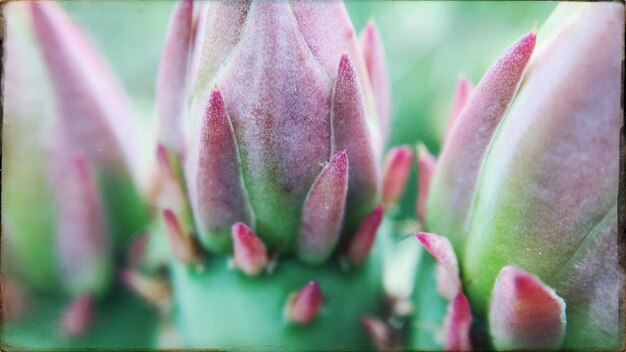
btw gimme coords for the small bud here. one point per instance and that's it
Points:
(304, 305)
(78, 316)
(322, 213)
(426, 164)
(448, 281)
(381, 333)
(181, 242)
(154, 290)
(363, 240)
(524, 313)
(457, 323)
(396, 171)
(249, 253)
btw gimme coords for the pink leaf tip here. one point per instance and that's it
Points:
(304, 305)
(78, 316)
(448, 281)
(426, 164)
(381, 333)
(249, 252)
(396, 171)
(361, 244)
(457, 324)
(463, 91)
(525, 313)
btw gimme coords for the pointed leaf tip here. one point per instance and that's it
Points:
(78, 316)
(426, 164)
(154, 290)
(304, 305)
(323, 211)
(381, 333)
(457, 324)
(249, 252)
(181, 242)
(525, 313)
(396, 171)
(463, 91)
(448, 281)
(363, 240)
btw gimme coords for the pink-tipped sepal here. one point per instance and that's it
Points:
(182, 243)
(426, 164)
(78, 316)
(154, 290)
(304, 305)
(249, 252)
(462, 93)
(363, 240)
(448, 281)
(456, 325)
(396, 169)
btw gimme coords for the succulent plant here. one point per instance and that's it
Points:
(525, 193)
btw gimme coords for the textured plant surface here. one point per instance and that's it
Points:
(525, 193)
(252, 208)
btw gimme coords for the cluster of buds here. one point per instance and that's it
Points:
(525, 191)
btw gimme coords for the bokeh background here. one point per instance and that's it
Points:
(427, 43)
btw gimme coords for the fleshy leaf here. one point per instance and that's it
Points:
(457, 323)
(462, 93)
(350, 133)
(454, 182)
(396, 171)
(524, 313)
(375, 62)
(249, 253)
(448, 281)
(323, 211)
(83, 241)
(551, 173)
(172, 79)
(426, 164)
(304, 305)
(361, 243)
(216, 189)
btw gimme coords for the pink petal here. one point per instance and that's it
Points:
(322, 214)
(462, 93)
(426, 164)
(304, 305)
(375, 62)
(216, 189)
(249, 252)
(524, 313)
(78, 316)
(457, 324)
(84, 247)
(396, 170)
(94, 114)
(171, 85)
(361, 243)
(448, 281)
(455, 178)
(350, 133)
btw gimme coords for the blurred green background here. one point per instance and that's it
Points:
(428, 44)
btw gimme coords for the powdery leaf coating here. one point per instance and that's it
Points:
(323, 211)
(462, 93)
(171, 83)
(350, 133)
(426, 164)
(551, 173)
(278, 98)
(457, 323)
(454, 182)
(396, 170)
(94, 115)
(448, 281)
(304, 305)
(361, 243)
(216, 190)
(375, 62)
(249, 253)
(78, 316)
(83, 242)
(524, 313)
